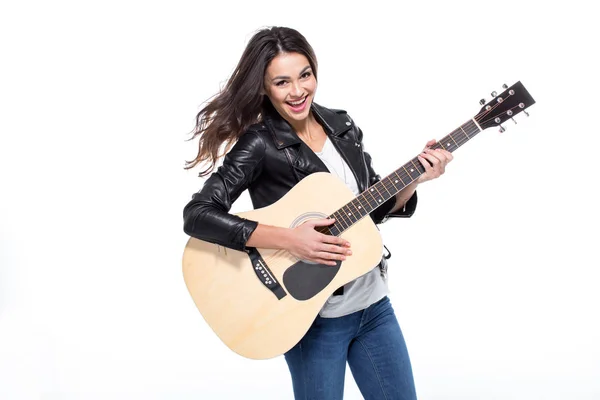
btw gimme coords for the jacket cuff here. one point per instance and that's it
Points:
(247, 227)
(405, 212)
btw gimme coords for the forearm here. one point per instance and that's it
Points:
(270, 237)
(403, 196)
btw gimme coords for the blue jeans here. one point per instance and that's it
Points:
(369, 340)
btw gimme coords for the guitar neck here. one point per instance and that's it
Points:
(385, 189)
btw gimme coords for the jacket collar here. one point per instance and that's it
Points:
(283, 133)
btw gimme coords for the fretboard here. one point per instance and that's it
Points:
(385, 189)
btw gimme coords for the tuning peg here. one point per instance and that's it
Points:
(505, 86)
(482, 101)
(526, 113)
(502, 129)
(494, 94)
(510, 113)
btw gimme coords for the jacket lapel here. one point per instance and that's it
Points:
(351, 150)
(352, 153)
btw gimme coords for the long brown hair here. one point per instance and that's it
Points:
(240, 103)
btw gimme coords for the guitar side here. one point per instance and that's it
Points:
(244, 313)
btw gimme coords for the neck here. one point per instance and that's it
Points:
(303, 128)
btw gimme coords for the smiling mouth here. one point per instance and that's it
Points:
(297, 103)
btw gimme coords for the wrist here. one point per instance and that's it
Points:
(285, 236)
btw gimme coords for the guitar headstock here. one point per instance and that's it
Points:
(504, 106)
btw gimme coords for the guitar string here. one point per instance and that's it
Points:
(459, 141)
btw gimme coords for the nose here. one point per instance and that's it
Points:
(296, 90)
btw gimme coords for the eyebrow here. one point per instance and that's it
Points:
(287, 77)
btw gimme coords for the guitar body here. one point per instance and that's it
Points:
(244, 313)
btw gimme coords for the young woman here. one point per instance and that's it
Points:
(276, 135)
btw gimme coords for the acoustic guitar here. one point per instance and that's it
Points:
(261, 302)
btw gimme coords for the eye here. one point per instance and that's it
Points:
(280, 83)
(306, 74)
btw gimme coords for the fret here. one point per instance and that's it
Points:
(399, 177)
(360, 204)
(349, 213)
(344, 217)
(360, 207)
(396, 182)
(417, 167)
(334, 230)
(457, 145)
(445, 143)
(472, 127)
(408, 174)
(370, 191)
(464, 136)
(339, 217)
(356, 211)
(461, 128)
(378, 200)
(385, 186)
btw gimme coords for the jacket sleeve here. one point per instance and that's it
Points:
(382, 213)
(206, 216)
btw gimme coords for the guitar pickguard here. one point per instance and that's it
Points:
(304, 280)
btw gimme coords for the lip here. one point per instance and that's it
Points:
(299, 108)
(292, 101)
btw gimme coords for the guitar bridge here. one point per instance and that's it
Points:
(264, 274)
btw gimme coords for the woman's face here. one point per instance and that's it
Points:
(290, 84)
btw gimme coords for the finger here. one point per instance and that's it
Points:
(425, 164)
(334, 240)
(322, 222)
(449, 155)
(440, 167)
(438, 153)
(331, 248)
(430, 156)
(430, 143)
(329, 256)
(324, 262)
(445, 157)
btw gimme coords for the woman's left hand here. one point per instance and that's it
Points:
(434, 162)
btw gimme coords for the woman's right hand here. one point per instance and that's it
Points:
(308, 244)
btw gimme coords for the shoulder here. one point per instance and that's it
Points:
(259, 133)
(340, 121)
(336, 118)
(323, 109)
(252, 140)
(335, 113)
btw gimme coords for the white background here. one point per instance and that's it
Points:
(493, 280)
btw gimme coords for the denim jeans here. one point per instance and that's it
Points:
(369, 340)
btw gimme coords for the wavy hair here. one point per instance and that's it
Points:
(240, 103)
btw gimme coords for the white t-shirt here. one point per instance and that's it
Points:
(368, 288)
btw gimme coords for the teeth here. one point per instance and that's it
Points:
(297, 103)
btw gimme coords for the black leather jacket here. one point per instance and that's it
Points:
(260, 163)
